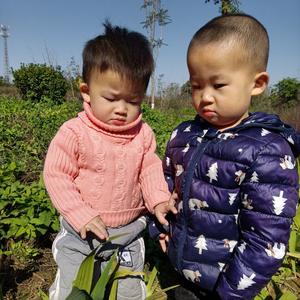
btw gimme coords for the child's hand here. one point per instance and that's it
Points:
(162, 209)
(97, 227)
(163, 241)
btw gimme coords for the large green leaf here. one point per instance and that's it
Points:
(293, 240)
(297, 217)
(294, 254)
(77, 294)
(150, 287)
(288, 296)
(85, 273)
(113, 291)
(99, 289)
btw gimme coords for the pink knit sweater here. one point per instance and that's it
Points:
(93, 168)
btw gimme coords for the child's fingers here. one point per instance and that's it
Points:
(83, 233)
(163, 241)
(163, 245)
(173, 209)
(175, 196)
(100, 232)
(161, 218)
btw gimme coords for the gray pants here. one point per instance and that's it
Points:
(69, 250)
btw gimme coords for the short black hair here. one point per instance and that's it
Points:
(241, 29)
(125, 52)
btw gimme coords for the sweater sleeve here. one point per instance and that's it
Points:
(269, 198)
(153, 184)
(60, 170)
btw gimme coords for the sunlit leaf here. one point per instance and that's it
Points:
(77, 294)
(150, 284)
(84, 276)
(294, 254)
(114, 291)
(99, 289)
(292, 241)
(288, 296)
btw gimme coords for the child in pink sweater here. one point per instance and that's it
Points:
(101, 170)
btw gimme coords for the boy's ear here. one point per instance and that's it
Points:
(85, 93)
(261, 81)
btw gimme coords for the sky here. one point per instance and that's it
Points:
(43, 31)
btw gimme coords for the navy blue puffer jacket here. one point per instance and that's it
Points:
(238, 191)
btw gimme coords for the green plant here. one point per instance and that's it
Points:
(26, 131)
(25, 210)
(21, 252)
(286, 91)
(82, 285)
(39, 81)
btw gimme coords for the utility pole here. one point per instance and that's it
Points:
(156, 18)
(4, 33)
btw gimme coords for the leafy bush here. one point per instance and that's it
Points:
(286, 91)
(26, 212)
(39, 81)
(163, 124)
(26, 131)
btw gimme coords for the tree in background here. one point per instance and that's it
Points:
(156, 16)
(3, 81)
(160, 86)
(227, 6)
(186, 90)
(72, 74)
(39, 81)
(286, 92)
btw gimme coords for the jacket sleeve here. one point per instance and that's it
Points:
(269, 195)
(153, 184)
(60, 171)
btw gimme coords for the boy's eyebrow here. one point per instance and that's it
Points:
(218, 76)
(115, 93)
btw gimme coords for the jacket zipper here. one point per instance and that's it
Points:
(188, 181)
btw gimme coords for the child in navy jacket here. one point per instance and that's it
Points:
(234, 171)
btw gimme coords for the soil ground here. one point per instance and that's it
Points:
(27, 281)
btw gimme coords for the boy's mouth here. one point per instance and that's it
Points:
(208, 113)
(118, 122)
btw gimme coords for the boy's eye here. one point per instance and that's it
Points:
(195, 87)
(109, 99)
(134, 102)
(219, 85)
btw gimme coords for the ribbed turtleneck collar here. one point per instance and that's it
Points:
(127, 131)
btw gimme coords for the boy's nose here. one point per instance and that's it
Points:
(207, 96)
(121, 108)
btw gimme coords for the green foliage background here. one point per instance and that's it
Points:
(26, 213)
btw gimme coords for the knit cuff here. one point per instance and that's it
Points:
(154, 187)
(80, 216)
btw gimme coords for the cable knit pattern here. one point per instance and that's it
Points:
(93, 168)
